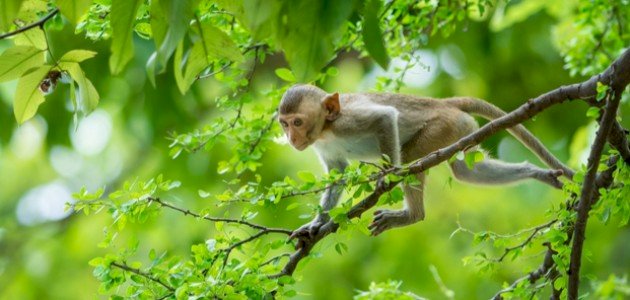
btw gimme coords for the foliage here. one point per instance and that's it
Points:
(227, 42)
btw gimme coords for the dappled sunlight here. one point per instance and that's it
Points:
(44, 203)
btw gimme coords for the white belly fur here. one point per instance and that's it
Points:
(361, 147)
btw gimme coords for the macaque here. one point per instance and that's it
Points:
(405, 128)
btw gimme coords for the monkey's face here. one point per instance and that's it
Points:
(298, 129)
(303, 127)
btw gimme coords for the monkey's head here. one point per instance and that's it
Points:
(304, 111)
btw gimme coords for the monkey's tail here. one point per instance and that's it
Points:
(491, 112)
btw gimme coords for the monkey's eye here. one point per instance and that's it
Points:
(284, 124)
(297, 122)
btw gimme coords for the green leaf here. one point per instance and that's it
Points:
(260, 16)
(77, 55)
(159, 23)
(602, 89)
(27, 95)
(372, 35)
(197, 61)
(123, 15)
(341, 248)
(593, 112)
(158, 30)
(515, 13)
(8, 12)
(19, 59)
(73, 9)
(88, 96)
(182, 84)
(306, 176)
(473, 157)
(178, 13)
(285, 74)
(233, 6)
(217, 44)
(34, 37)
(311, 29)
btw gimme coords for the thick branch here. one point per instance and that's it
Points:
(617, 75)
(38, 23)
(588, 187)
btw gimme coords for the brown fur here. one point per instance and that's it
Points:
(404, 128)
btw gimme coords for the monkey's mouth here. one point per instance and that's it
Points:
(301, 147)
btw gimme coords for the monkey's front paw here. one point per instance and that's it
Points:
(386, 219)
(306, 232)
(551, 177)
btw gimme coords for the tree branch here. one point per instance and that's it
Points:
(38, 23)
(588, 187)
(545, 268)
(146, 275)
(529, 238)
(215, 219)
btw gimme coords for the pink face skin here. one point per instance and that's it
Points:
(304, 126)
(297, 128)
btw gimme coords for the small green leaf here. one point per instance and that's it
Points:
(372, 35)
(602, 89)
(19, 59)
(341, 248)
(593, 112)
(123, 16)
(182, 84)
(473, 157)
(293, 205)
(77, 55)
(88, 96)
(203, 194)
(27, 95)
(285, 74)
(73, 9)
(306, 176)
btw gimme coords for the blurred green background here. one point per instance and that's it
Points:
(44, 249)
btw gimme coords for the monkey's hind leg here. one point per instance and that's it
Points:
(411, 213)
(492, 171)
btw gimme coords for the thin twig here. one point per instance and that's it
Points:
(215, 219)
(146, 275)
(38, 23)
(275, 259)
(535, 231)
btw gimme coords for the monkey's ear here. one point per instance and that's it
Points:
(332, 107)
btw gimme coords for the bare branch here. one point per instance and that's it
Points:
(215, 219)
(544, 270)
(38, 23)
(529, 238)
(146, 275)
(588, 187)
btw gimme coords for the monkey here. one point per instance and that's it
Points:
(404, 128)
